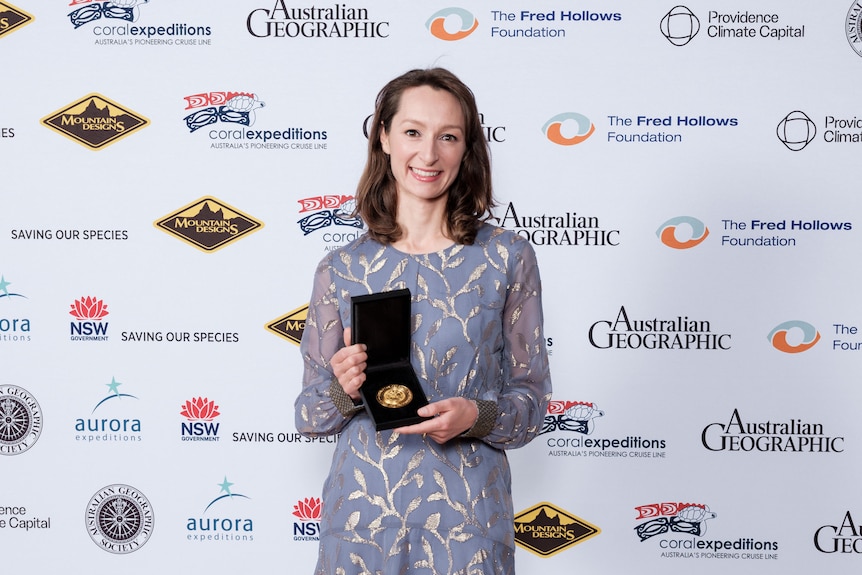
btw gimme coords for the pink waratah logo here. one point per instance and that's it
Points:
(308, 509)
(89, 308)
(200, 409)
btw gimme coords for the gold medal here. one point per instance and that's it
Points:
(394, 395)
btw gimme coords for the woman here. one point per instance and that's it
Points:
(434, 497)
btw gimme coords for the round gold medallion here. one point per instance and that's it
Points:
(394, 395)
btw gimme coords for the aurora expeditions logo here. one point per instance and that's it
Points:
(12, 18)
(217, 526)
(116, 421)
(94, 121)
(208, 224)
(20, 420)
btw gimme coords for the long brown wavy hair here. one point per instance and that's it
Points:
(470, 197)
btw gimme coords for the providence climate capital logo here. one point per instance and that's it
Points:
(94, 121)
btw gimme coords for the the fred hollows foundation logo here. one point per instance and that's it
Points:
(94, 121)
(208, 224)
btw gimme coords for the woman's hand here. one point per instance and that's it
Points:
(348, 365)
(449, 418)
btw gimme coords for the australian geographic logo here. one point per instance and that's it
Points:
(846, 537)
(790, 436)
(652, 333)
(12, 18)
(561, 229)
(339, 21)
(119, 519)
(20, 420)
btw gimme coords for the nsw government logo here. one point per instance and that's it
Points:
(794, 336)
(12, 18)
(682, 232)
(452, 24)
(221, 522)
(115, 422)
(208, 224)
(291, 325)
(546, 530)
(13, 328)
(199, 413)
(119, 519)
(88, 325)
(308, 527)
(95, 122)
(20, 420)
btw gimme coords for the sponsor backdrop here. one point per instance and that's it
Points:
(172, 173)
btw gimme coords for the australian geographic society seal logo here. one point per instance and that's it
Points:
(20, 420)
(119, 519)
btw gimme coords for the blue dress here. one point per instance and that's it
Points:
(396, 504)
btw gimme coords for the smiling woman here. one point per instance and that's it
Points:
(435, 496)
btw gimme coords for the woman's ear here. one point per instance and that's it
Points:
(384, 140)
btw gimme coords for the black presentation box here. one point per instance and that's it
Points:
(391, 391)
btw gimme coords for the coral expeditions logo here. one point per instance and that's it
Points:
(94, 121)
(452, 24)
(291, 325)
(323, 212)
(208, 224)
(229, 527)
(12, 18)
(568, 129)
(228, 107)
(112, 25)
(546, 530)
(20, 420)
(794, 336)
(682, 232)
(119, 519)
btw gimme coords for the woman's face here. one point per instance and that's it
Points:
(425, 143)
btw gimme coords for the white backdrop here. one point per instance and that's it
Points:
(729, 130)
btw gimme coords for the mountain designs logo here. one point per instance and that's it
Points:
(291, 325)
(452, 24)
(199, 413)
(546, 530)
(116, 421)
(220, 522)
(20, 420)
(88, 312)
(796, 130)
(95, 122)
(794, 336)
(208, 224)
(568, 129)
(308, 511)
(12, 18)
(682, 232)
(680, 25)
(119, 519)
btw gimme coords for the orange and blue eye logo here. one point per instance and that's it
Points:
(553, 128)
(778, 336)
(436, 24)
(667, 232)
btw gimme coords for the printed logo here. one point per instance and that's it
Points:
(339, 21)
(324, 212)
(681, 528)
(127, 10)
(112, 25)
(20, 420)
(662, 518)
(843, 538)
(11, 328)
(577, 128)
(88, 312)
(680, 26)
(853, 27)
(545, 530)
(682, 232)
(651, 334)
(122, 427)
(796, 130)
(200, 413)
(228, 107)
(12, 18)
(229, 528)
(567, 418)
(95, 122)
(461, 21)
(308, 527)
(208, 224)
(794, 336)
(290, 326)
(791, 436)
(119, 519)
(562, 229)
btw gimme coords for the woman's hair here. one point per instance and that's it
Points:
(470, 197)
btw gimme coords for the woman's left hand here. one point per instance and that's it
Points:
(449, 418)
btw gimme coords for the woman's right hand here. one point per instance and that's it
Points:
(348, 365)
